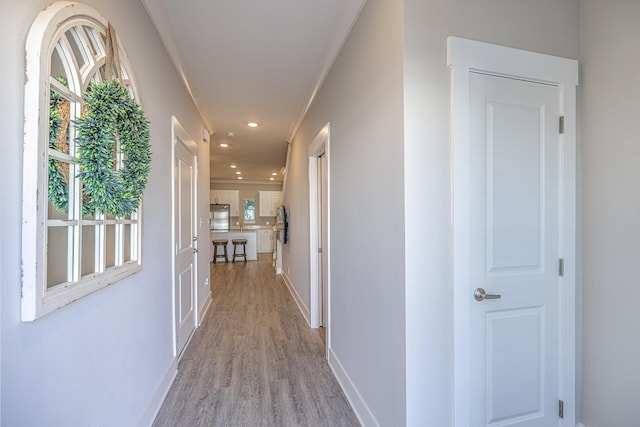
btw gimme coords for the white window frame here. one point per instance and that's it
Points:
(244, 211)
(38, 298)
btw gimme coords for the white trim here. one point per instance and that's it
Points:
(150, 412)
(511, 62)
(465, 56)
(357, 402)
(178, 132)
(296, 297)
(206, 305)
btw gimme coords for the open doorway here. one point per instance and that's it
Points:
(318, 153)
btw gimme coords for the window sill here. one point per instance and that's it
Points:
(34, 307)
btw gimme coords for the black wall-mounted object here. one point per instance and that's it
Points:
(286, 226)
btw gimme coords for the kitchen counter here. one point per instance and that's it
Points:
(251, 227)
(252, 243)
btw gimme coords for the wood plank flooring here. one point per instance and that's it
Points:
(254, 361)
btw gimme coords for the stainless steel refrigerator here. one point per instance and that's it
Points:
(219, 217)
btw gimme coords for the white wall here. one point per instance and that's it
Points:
(362, 98)
(546, 26)
(393, 307)
(99, 360)
(611, 129)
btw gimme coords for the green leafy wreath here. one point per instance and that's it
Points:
(112, 120)
(113, 117)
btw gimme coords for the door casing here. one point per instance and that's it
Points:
(465, 56)
(319, 146)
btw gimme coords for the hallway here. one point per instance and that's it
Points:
(254, 361)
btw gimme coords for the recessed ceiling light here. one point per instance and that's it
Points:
(239, 177)
(238, 173)
(274, 173)
(233, 166)
(271, 179)
(252, 124)
(224, 145)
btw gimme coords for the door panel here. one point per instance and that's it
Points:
(185, 302)
(514, 389)
(514, 252)
(514, 174)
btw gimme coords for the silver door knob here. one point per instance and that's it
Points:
(480, 295)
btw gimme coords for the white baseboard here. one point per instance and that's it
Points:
(147, 418)
(296, 297)
(580, 425)
(364, 414)
(205, 308)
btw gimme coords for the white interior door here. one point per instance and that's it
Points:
(324, 215)
(185, 242)
(514, 250)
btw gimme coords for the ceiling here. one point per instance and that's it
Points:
(252, 61)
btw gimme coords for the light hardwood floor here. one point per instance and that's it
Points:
(254, 361)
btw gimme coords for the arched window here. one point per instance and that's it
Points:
(68, 250)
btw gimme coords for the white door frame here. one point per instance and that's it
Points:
(465, 56)
(318, 146)
(178, 133)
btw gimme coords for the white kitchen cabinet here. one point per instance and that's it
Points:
(269, 202)
(265, 241)
(227, 197)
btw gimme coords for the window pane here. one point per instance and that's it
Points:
(59, 122)
(90, 41)
(59, 68)
(127, 242)
(125, 75)
(94, 39)
(88, 211)
(75, 46)
(111, 246)
(249, 210)
(88, 249)
(58, 190)
(57, 255)
(96, 78)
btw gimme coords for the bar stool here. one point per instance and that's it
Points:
(236, 244)
(223, 243)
